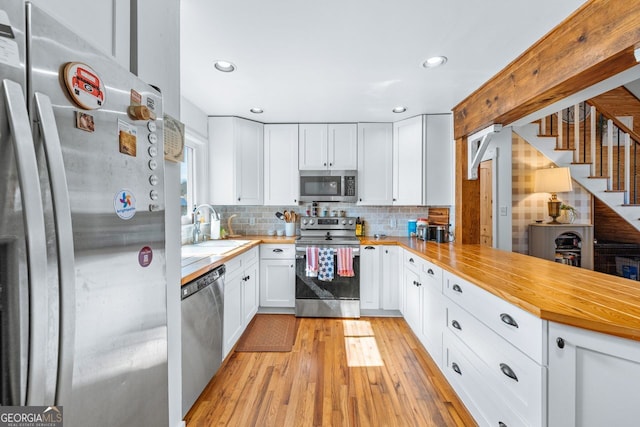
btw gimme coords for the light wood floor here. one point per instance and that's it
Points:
(313, 385)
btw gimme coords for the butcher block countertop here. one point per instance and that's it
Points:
(194, 266)
(549, 290)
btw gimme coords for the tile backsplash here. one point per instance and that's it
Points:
(258, 220)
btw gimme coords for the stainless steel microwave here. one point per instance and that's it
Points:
(328, 186)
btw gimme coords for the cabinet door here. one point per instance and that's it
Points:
(232, 318)
(439, 176)
(391, 283)
(343, 146)
(434, 313)
(277, 283)
(594, 379)
(281, 164)
(370, 273)
(408, 162)
(413, 301)
(249, 162)
(312, 146)
(375, 164)
(250, 293)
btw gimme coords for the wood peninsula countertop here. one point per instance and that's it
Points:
(195, 266)
(549, 290)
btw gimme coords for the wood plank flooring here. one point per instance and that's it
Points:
(377, 375)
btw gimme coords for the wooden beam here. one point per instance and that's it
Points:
(594, 43)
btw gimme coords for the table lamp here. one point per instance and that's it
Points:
(553, 180)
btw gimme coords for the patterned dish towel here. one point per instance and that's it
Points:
(325, 264)
(345, 262)
(312, 261)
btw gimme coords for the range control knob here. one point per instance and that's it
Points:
(304, 222)
(312, 221)
(350, 222)
(344, 222)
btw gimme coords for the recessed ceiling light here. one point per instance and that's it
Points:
(399, 109)
(224, 66)
(256, 110)
(434, 61)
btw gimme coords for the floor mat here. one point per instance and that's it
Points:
(269, 332)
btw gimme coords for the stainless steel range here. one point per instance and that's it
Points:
(327, 268)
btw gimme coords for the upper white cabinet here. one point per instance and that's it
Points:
(281, 164)
(422, 161)
(236, 161)
(440, 154)
(408, 162)
(328, 146)
(375, 168)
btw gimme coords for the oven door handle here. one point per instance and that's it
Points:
(301, 252)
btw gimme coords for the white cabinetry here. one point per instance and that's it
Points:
(594, 379)
(328, 146)
(277, 275)
(281, 164)
(370, 276)
(241, 295)
(494, 356)
(375, 166)
(423, 161)
(424, 303)
(379, 277)
(235, 161)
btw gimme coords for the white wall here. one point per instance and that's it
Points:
(194, 118)
(499, 150)
(156, 59)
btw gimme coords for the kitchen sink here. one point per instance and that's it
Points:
(212, 247)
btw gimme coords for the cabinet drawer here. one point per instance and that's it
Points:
(516, 377)
(522, 329)
(466, 374)
(275, 251)
(236, 264)
(433, 273)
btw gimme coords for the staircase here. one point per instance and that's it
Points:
(602, 153)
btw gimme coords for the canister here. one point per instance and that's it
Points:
(412, 227)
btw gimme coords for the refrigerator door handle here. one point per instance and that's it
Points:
(64, 240)
(35, 241)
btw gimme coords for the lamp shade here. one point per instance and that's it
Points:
(552, 180)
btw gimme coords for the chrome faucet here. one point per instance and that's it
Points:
(196, 224)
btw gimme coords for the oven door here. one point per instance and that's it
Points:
(339, 297)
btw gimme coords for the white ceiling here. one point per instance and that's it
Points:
(351, 60)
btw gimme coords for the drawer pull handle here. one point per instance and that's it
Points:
(456, 325)
(411, 260)
(457, 288)
(508, 371)
(430, 271)
(278, 250)
(456, 368)
(508, 320)
(369, 247)
(501, 424)
(560, 342)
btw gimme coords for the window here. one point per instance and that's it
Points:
(187, 182)
(193, 176)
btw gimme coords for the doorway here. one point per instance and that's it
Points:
(486, 203)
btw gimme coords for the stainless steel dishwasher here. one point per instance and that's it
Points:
(202, 313)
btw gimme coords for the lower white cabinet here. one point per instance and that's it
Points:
(241, 295)
(379, 277)
(424, 308)
(277, 275)
(370, 276)
(594, 378)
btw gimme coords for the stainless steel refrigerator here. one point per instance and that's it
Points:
(82, 253)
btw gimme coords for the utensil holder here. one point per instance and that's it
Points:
(290, 229)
